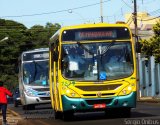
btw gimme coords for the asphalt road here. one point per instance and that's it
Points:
(144, 114)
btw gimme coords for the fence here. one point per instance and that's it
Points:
(149, 77)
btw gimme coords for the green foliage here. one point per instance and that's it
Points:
(152, 46)
(156, 29)
(20, 39)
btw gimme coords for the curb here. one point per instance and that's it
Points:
(13, 112)
(149, 99)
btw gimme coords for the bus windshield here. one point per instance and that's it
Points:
(97, 61)
(36, 73)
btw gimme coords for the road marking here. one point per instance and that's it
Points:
(26, 122)
(41, 122)
(13, 112)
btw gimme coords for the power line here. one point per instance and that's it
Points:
(140, 18)
(116, 14)
(148, 2)
(59, 11)
(127, 4)
(149, 19)
(129, 19)
(154, 12)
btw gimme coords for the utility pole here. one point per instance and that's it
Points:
(101, 6)
(135, 21)
(136, 43)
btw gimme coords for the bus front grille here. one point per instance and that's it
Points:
(103, 94)
(98, 101)
(41, 89)
(45, 98)
(99, 87)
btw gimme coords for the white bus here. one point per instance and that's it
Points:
(33, 78)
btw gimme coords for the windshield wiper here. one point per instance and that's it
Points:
(90, 52)
(83, 47)
(108, 48)
(37, 65)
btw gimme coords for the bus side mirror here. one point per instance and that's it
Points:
(138, 47)
(55, 56)
(16, 69)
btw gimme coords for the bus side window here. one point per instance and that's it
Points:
(55, 56)
(55, 51)
(26, 76)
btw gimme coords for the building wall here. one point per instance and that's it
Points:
(145, 23)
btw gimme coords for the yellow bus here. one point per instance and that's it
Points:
(92, 68)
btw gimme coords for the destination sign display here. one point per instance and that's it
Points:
(35, 56)
(103, 33)
(96, 35)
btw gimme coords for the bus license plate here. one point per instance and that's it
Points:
(99, 106)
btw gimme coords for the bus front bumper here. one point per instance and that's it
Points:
(81, 104)
(36, 100)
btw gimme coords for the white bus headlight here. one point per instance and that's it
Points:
(70, 93)
(127, 90)
(30, 92)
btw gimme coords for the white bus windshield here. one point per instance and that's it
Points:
(36, 73)
(97, 61)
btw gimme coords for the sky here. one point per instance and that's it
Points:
(72, 12)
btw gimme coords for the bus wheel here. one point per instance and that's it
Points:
(15, 104)
(25, 107)
(67, 115)
(126, 112)
(57, 115)
(32, 107)
(28, 107)
(109, 113)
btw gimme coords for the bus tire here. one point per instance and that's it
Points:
(118, 113)
(67, 115)
(28, 107)
(57, 115)
(15, 104)
(32, 107)
(126, 112)
(109, 113)
(25, 107)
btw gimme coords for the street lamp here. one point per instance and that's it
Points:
(79, 15)
(101, 7)
(6, 38)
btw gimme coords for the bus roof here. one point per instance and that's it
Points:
(94, 26)
(35, 54)
(81, 26)
(36, 50)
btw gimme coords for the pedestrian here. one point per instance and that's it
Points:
(3, 101)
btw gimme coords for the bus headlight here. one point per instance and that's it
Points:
(30, 92)
(127, 90)
(70, 93)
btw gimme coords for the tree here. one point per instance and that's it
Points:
(40, 35)
(151, 47)
(20, 39)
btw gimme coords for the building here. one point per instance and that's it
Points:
(145, 23)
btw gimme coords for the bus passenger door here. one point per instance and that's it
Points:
(56, 88)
